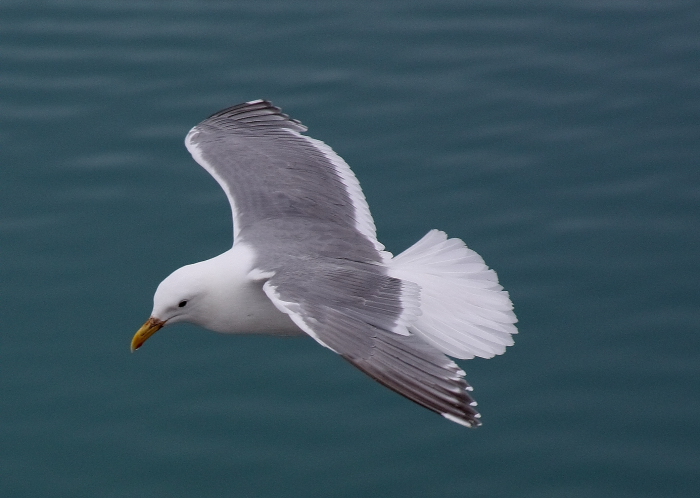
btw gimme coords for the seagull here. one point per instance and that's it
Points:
(306, 260)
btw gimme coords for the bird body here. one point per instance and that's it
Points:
(221, 283)
(306, 260)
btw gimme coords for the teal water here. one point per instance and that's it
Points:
(559, 139)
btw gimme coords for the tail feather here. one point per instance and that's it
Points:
(465, 312)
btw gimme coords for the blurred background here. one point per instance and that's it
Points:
(559, 139)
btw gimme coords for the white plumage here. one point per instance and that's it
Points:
(464, 311)
(306, 259)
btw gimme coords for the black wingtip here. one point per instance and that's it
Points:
(471, 421)
(254, 114)
(408, 366)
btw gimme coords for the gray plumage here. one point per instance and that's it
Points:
(292, 206)
(303, 235)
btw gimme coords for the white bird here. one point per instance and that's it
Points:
(306, 260)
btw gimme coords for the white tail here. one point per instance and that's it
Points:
(465, 312)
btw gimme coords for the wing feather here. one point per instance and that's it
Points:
(347, 312)
(269, 169)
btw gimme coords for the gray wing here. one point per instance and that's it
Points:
(351, 309)
(269, 170)
(301, 209)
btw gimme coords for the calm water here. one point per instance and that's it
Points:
(560, 139)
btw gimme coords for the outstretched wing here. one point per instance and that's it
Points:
(269, 170)
(362, 315)
(300, 208)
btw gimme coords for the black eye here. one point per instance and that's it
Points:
(182, 303)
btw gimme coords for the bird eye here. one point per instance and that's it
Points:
(182, 303)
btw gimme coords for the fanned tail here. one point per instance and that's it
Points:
(465, 312)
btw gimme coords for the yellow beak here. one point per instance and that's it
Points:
(149, 328)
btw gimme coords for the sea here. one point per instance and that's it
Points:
(559, 139)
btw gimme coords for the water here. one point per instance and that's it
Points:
(559, 139)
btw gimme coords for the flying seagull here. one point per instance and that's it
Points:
(306, 260)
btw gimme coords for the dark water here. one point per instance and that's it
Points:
(559, 139)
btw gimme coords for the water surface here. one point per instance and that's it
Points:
(558, 139)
